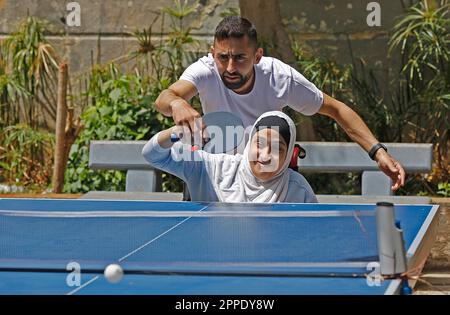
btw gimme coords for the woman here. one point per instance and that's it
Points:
(260, 174)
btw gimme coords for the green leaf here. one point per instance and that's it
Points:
(115, 95)
(104, 111)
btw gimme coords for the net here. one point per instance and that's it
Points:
(216, 241)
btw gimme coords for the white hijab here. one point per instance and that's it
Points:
(234, 181)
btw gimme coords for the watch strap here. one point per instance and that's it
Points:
(375, 148)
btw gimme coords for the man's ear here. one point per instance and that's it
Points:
(212, 49)
(258, 55)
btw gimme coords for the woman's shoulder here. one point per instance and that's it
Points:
(299, 189)
(297, 178)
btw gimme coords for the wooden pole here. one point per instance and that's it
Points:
(61, 117)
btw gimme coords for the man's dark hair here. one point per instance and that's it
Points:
(236, 27)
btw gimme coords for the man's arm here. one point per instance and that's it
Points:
(174, 102)
(358, 131)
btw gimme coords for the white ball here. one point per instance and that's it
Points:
(113, 273)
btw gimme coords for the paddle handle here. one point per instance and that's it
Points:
(175, 138)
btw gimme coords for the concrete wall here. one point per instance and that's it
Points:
(104, 23)
(339, 29)
(332, 26)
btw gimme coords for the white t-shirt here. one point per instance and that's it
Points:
(276, 85)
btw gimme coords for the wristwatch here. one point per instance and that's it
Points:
(375, 148)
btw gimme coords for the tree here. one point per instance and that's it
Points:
(266, 16)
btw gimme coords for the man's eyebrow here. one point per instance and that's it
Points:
(234, 55)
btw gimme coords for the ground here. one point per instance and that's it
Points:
(435, 278)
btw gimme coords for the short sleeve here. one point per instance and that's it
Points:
(197, 73)
(303, 96)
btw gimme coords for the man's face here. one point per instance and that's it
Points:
(268, 151)
(235, 58)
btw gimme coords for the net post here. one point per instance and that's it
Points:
(391, 247)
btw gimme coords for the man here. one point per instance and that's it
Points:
(235, 77)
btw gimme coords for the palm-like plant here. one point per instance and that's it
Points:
(28, 75)
(179, 35)
(31, 63)
(423, 38)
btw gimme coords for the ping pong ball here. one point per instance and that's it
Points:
(113, 273)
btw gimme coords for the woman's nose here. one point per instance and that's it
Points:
(264, 154)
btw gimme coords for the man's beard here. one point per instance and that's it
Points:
(235, 85)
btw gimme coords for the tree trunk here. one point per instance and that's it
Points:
(67, 130)
(61, 116)
(266, 16)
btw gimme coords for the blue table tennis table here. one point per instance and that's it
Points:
(197, 248)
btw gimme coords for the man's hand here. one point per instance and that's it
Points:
(184, 115)
(391, 167)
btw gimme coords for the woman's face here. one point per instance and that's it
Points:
(268, 152)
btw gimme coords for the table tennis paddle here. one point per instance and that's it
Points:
(223, 132)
